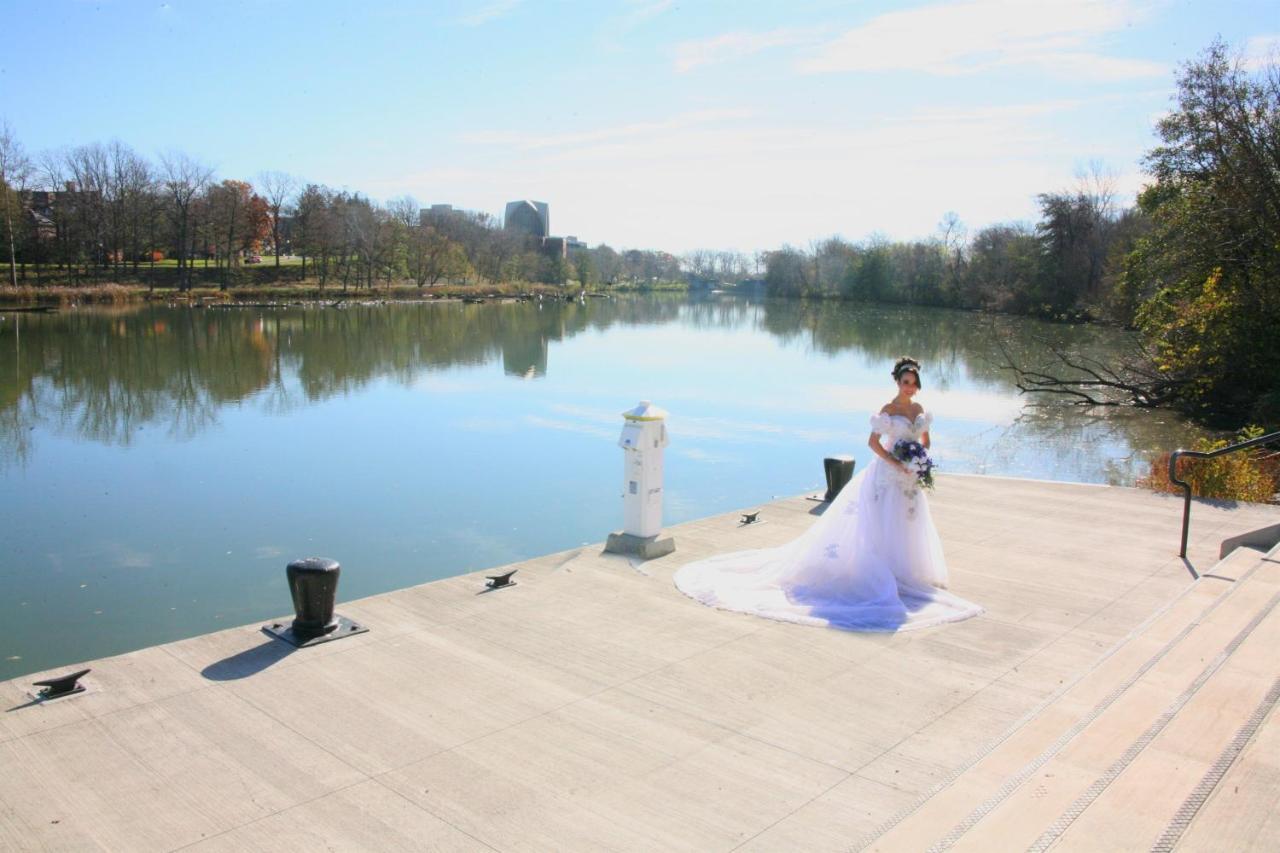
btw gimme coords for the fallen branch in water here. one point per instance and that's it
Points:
(1090, 382)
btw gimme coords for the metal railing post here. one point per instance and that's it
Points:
(1199, 454)
(1186, 497)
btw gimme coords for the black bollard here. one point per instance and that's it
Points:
(839, 471)
(313, 583)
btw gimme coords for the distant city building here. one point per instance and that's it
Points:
(556, 247)
(528, 217)
(43, 207)
(443, 211)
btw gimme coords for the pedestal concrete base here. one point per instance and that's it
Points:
(644, 547)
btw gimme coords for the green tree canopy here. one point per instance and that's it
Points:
(1209, 270)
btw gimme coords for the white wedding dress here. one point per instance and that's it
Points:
(872, 562)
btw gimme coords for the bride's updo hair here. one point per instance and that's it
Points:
(905, 364)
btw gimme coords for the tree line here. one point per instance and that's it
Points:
(101, 212)
(104, 213)
(1065, 266)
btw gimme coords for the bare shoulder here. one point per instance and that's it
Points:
(916, 410)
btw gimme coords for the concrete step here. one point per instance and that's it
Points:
(1143, 799)
(1242, 812)
(1007, 797)
(1054, 793)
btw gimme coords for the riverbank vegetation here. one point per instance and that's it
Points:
(1248, 475)
(23, 299)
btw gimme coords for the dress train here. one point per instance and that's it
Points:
(872, 562)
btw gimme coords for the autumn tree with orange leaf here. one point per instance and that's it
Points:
(239, 219)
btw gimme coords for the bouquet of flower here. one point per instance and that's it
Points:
(916, 458)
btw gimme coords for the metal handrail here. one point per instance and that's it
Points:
(1205, 454)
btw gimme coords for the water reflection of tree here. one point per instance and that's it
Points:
(974, 347)
(1122, 442)
(104, 375)
(950, 343)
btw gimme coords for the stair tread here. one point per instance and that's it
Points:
(1243, 813)
(1035, 796)
(1029, 811)
(1135, 809)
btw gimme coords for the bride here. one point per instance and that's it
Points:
(871, 562)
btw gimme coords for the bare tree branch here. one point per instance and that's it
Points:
(1088, 381)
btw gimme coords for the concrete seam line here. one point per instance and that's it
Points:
(1181, 820)
(1077, 808)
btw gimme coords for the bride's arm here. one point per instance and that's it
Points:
(878, 449)
(924, 439)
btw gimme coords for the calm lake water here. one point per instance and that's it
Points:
(160, 466)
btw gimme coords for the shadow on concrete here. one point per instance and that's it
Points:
(489, 589)
(249, 662)
(42, 700)
(1262, 539)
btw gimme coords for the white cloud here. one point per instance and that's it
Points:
(525, 140)
(489, 12)
(729, 46)
(643, 10)
(736, 179)
(1129, 183)
(1260, 50)
(963, 38)
(615, 28)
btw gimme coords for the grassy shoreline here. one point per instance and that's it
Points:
(308, 291)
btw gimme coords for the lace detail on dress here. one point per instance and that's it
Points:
(901, 426)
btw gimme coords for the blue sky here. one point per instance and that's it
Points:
(643, 123)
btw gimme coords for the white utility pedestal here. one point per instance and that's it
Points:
(644, 435)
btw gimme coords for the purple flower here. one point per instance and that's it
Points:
(914, 455)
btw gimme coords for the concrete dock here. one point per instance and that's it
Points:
(1105, 700)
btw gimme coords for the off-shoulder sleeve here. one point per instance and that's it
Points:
(880, 423)
(927, 421)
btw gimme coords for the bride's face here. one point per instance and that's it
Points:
(908, 385)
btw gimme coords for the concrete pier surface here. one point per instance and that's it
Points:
(594, 707)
